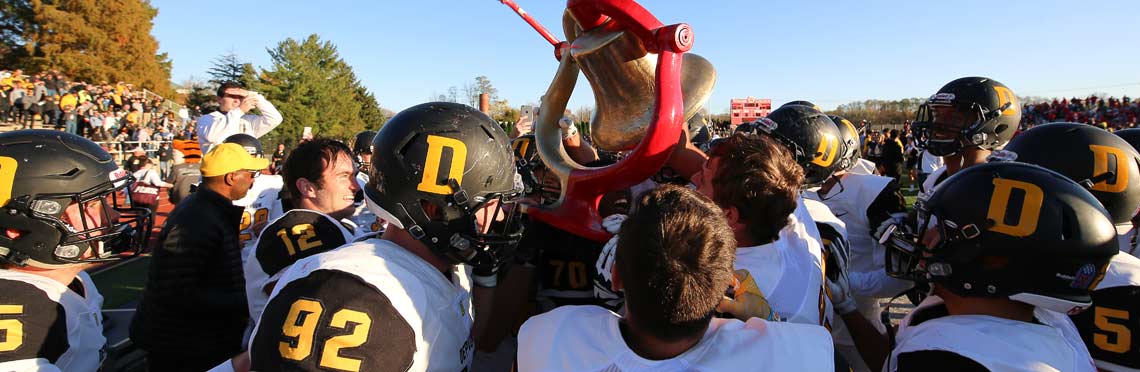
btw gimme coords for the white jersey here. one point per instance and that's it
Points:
(298, 234)
(789, 271)
(406, 313)
(1128, 237)
(833, 236)
(587, 338)
(930, 163)
(850, 200)
(863, 166)
(931, 183)
(61, 329)
(1049, 344)
(261, 203)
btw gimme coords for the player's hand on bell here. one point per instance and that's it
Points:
(746, 301)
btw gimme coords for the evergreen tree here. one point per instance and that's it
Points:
(313, 87)
(228, 67)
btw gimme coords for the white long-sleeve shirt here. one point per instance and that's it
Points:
(217, 126)
(152, 177)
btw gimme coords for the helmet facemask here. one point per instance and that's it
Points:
(908, 256)
(483, 247)
(128, 233)
(460, 238)
(944, 129)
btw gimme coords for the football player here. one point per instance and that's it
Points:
(963, 122)
(443, 177)
(813, 140)
(1011, 249)
(364, 222)
(757, 182)
(1109, 168)
(60, 216)
(320, 174)
(862, 201)
(674, 258)
(263, 201)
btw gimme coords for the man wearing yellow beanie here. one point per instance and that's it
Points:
(196, 271)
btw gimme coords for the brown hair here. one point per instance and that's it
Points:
(674, 257)
(760, 178)
(309, 160)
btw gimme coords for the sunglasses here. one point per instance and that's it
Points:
(234, 96)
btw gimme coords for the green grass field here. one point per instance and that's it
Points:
(123, 284)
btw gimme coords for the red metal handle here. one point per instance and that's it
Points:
(585, 187)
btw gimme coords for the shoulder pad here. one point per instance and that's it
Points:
(34, 326)
(296, 235)
(332, 320)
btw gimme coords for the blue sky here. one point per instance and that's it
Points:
(828, 52)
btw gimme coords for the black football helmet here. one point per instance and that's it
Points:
(810, 136)
(362, 149)
(967, 112)
(1101, 162)
(525, 151)
(42, 173)
(250, 143)
(699, 130)
(848, 143)
(1009, 229)
(1130, 135)
(453, 157)
(802, 103)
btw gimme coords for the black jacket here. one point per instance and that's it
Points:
(194, 301)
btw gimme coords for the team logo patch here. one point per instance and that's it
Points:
(1084, 277)
(765, 124)
(942, 98)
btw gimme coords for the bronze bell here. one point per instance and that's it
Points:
(621, 73)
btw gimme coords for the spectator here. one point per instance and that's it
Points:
(165, 157)
(16, 101)
(196, 272)
(184, 176)
(892, 155)
(136, 162)
(5, 104)
(278, 158)
(143, 136)
(148, 175)
(232, 116)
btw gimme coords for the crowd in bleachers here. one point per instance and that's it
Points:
(117, 115)
(1111, 113)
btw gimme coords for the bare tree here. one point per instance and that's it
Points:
(582, 114)
(453, 94)
(471, 91)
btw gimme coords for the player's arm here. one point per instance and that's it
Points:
(873, 346)
(510, 299)
(687, 159)
(936, 361)
(270, 118)
(888, 203)
(578, 150)
(35, 328)
(331, 320)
